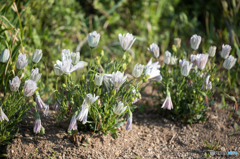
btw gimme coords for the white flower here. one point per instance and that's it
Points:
(37, 126)
(126, 41)
(37, 55)
(229, 62)
(4, 56)
(40, 104)
(181, 62)
(212, 51)
(195, 41)
(98, 79)
(82, 116)
(66, 67)
(35, 75)
(173, 60)
(185, 68)
(154, 50)
(152, 69)
(29, 88)
(202, 61)
(65, 54)
(226, 49)
(118, 79)
(3, 116)
(21, 61)
(75, 57)
(137, 70)
(168, 103)
(90, 99)
(119, 109)
(93, 39)
(73, 124)
(14, 84)
(167, 57)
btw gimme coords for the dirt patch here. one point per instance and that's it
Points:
(152, 136)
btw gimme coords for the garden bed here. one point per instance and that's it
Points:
(153, 136)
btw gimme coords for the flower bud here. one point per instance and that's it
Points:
(98, 79)
(35, 75)
(226, 49)
(212, 51)
(114, 91)
(64, 85)
(37, 126)
(154, 50)
(75, 57)
(98, 60)
(129, 59)
(102, 53)
(229, 62)
(82, 78)
(4, 56)
(37, 55)
(174, 48)
(14, 84)
(167, 57)
(21, 61)
(195, 41)
(93, 39)
(124, 66)
(137, 70)
(29, 88)
(132, 99)
(177, 42)
(124, 57)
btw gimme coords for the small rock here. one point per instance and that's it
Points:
(12, 151)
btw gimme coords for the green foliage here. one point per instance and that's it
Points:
(213, 146)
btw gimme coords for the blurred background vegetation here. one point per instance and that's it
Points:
(53, 25)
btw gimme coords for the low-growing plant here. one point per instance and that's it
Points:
(103, 94)
(186, 86)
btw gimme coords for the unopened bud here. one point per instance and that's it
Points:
(102, 53)
(34, 104)
(124, 66)
(82, 78)
(64, 85)
(174, 48)
(124, 57)
(129, 59)
(98, 60)
(114, 91)
(132, 99)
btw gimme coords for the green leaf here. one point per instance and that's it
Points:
(114, 135)
(207, 144)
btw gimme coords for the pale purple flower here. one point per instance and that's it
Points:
(194, 60)
(181, 62)
(129, 123)
(118, 79)
(126, 41)
(29, 88)
(40, 104)
(46, 110)
(3, 116)
(14, 84)
(73, 123)
(195, 41)
(37, 126)
(98, 79)
(35, 75)
(207, 84)
(168, 103)
(226, 49)
(229, 62)
(93, 39)
(202, 61)
(21, 61)
(152, 69)
(56, 106)
(154, 50)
